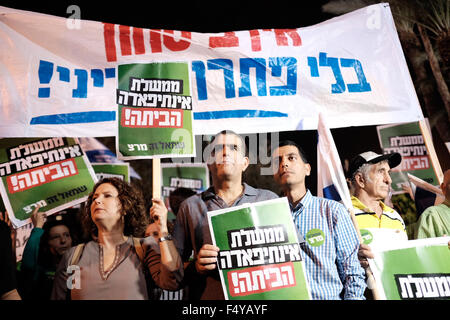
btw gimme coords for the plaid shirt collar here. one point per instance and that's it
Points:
(306, 200)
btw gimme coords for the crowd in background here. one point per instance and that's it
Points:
(127, 249)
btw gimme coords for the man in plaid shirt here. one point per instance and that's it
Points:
(331, 247)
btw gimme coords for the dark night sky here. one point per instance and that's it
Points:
(198, 15)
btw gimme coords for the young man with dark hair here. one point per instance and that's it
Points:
(332, 267)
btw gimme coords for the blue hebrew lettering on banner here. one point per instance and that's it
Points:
(76, 117)
(333, 63)
(45, 74)
(208, 115)
(284, 68)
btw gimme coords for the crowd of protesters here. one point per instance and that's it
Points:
(114, 248)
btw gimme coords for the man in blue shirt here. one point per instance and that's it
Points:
(331, 247)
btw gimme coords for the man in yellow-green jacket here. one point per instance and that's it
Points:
(435, 220)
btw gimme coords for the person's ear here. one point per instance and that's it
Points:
(360, 181)
(308, 169)
(246, 163)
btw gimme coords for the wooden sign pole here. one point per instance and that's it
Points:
(426, 134)
(156, 178)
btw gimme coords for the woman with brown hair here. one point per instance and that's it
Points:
(113, 266)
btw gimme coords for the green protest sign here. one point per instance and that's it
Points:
(155, 111)
(112, 170)
(193, 176)
(407, 140)
(53, 173)
(259, 256)
(417, 269)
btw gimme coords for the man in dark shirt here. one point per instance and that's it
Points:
(226, 163)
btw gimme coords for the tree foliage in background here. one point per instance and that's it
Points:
(407, 209)
(423, 30)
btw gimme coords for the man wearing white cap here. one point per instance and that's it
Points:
(370, 184)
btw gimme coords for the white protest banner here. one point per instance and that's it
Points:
(60, 81)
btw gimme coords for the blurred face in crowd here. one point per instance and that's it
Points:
(289, 168)
(378, 180)
(227, 157)
(59, 239)
(105, 207)
(152, 230)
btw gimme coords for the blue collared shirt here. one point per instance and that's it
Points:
(331, 249)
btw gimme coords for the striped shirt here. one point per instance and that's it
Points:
(330, 251)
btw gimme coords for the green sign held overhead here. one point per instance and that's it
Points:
(155, 111)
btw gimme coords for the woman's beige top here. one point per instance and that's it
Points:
(125, 280)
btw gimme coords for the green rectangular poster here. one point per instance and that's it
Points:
(51, 172)
(155, 111)
(194, 176)
(112, 170)
(259, 257)
(415, 270)
(407, 140)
